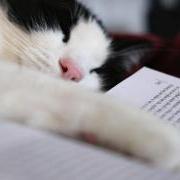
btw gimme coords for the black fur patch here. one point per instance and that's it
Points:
(124, 56)
(47, 14)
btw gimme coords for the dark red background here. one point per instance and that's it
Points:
(165, 56)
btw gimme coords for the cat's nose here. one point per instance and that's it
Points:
(70, 70)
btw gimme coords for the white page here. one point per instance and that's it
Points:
(27, 154)
(152, 91)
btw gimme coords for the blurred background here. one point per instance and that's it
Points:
(161, 17)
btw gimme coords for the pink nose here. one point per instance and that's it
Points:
(70, 71)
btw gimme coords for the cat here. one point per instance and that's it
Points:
(56, 59)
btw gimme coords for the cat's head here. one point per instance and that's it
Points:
(61, 38)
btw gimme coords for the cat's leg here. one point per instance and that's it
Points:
(42, 102)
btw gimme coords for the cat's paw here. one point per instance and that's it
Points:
(143, 136)
(158, 145)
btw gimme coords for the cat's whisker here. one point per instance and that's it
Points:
(23, 43)
(131, 50)
(17, 51)
(29, 55)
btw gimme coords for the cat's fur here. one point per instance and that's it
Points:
(34, 36)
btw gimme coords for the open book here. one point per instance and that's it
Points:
(27, 154)
(153, 92)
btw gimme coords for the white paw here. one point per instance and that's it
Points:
(159, 146)
(143, 136)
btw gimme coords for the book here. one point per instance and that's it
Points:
(152, 91)
(27, 154)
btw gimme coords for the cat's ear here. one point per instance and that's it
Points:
(131, 53)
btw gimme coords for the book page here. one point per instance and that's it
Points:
(27, 154)
(152, 91)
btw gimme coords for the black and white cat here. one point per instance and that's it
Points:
(51, 53)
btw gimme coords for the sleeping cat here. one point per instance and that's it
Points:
(55, 58)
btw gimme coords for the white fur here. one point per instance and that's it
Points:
(38, 99)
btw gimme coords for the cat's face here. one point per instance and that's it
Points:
(58, 37)
(64, 40)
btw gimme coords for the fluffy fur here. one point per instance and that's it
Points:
(34, 36)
